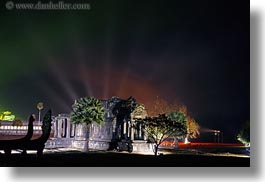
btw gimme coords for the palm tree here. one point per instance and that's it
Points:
(87, 110)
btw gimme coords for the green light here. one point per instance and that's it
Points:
(7, 116)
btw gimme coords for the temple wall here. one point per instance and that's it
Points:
(99, 137)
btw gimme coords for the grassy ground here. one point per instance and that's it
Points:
(112, 159)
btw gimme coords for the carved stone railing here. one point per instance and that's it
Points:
(7, 129)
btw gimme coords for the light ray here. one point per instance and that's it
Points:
(110, 36)
(207, 130)
(83, 70)
(55, 96)
(62, 80)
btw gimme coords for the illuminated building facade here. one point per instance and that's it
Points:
(118, 131)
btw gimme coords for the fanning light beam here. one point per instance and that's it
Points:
(62, 80)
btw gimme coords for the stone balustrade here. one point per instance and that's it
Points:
(7, 128)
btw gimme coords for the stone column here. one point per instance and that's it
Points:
(140, 130)
(68, 127)
(145, 136)
(128, 129)
(132, 130)
(63, 127)
(123, 130)
(59, 127)
(55, 127)
(72, 132)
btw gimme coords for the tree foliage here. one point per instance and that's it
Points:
(193, 128)
(244, 134)
(87, 110)
(17, 122)
(162, 127)
(179, 120)
(160, 106)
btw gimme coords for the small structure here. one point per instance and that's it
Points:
(118, 132)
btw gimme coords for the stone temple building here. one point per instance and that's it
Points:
(119, 131)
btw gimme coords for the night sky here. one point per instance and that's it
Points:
(195, 52)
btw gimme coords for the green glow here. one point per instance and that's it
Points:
(246, 143)
(7, 116)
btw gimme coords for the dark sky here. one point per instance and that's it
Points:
(196, 52)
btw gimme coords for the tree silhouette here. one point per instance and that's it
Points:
(162, 127)
(160, 105)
